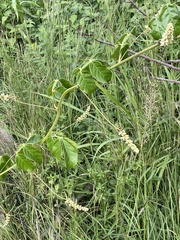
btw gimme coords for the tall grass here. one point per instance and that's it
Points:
(129, 196)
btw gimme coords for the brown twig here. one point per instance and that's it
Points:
(136, 6)
(156, 61)
(145, 57)
(173, 61)
(107, 43)
(141, 55)
(167, 80)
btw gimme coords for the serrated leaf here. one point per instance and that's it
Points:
(24, 163)
(100, 72)
(5, 163)
(32, 153)
(70, 152)
(54, 146)
(86, 82)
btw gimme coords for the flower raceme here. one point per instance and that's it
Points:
(76, 206)
(167, 36)
(127, 140)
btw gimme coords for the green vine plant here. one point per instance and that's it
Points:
(164, 28)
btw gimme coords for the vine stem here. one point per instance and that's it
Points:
(7, 170)
(135, 55)
(58, 112)
(53, 125)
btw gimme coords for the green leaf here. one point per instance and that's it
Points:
(18, 10)
(34, 139)
(24, 163)
(76, 71)
(73, 18)
(5, 163)
(32, 154)
(67, 84)
(59, 91)
(58, 87)
(5, 15)
(70, 152)
(54, 146)
(120, 53)
(51, 87)
(86, 82)
(169, 13)
(100, 72)
(122, 46)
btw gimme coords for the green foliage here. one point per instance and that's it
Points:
(18, 18)
(86, 81)
(55, 147)
(58, 87)
(122, 46)
(169, 13)
(61, 146)
(89, 76)
(129, 196)
(5, 164)
(70, 152)
(28, 157)
(100, 72)
(91, 72)
(18, 10)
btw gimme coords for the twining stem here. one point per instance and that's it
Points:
(53, 125)
(7, 170)
(135, 55)
(58, 113)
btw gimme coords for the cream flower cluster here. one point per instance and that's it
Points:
(127, 140)
(83, 116)
(167, 36)
(6, 97)
(75, 205)
(6, 221)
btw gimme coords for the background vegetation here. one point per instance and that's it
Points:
(129, 196)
